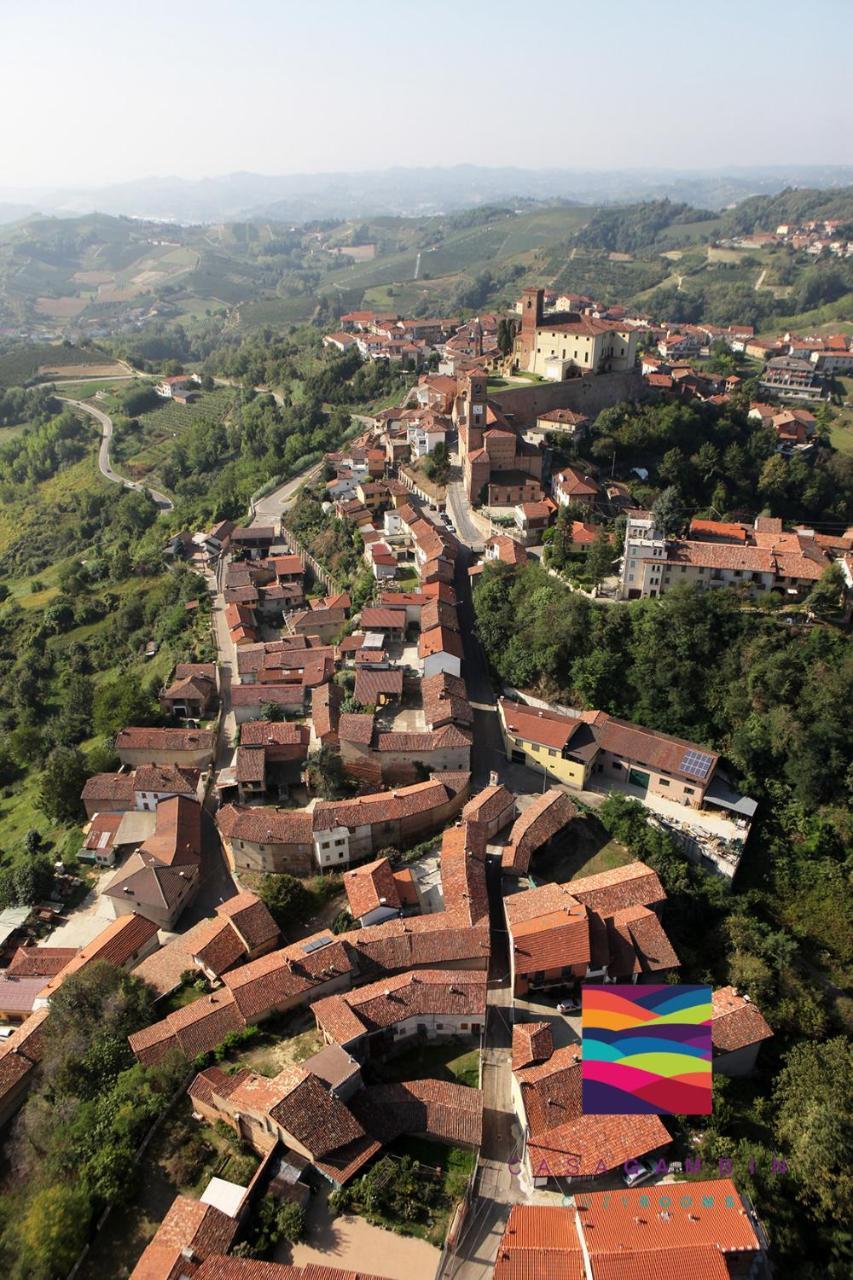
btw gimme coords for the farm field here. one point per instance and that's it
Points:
(143, 451)
(24, 362)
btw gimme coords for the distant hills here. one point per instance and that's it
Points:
(407, 192)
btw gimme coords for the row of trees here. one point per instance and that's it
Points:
(74, 1142)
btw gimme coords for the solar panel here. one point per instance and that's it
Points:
(696, 763)
(316, 944)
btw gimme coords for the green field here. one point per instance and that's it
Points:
(144, 450)
(22, 363)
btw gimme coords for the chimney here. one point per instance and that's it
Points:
(493, 778)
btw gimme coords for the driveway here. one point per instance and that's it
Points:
(88, 920)
(352, 1244)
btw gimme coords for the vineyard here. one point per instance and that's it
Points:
(142, 450)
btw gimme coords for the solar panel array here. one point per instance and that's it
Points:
(696, 763)
(316, 943)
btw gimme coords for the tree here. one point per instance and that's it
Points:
(668, 510)
(33, 878)
(65, 771)
(120, 702)
(814, 1094)
(600, 556)
(825, 597)
(54, 1229)
(325, 773)
(287, 900)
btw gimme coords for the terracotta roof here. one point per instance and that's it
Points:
(379, 618)
(221, 949)
(582, 1146)
(248, 915)
(282, 976)
(369, 685)
(117, 944)
(381, 1004)
(684, 1263)
(166, 778)
(635, 884)
(551, 1090)
(162, 969)
(148, 739)
(715, 1216)
(382, 806)
(435, 613)
(356, 727)
(539, 822)
(547, 728)
(188, 1224)
(445, 698)
(540, 1242)
(215, 1080)
(491, 803)
(252, 1269)
(325, 706)
(442, 1110)
(250, 764)
(574, 483)
(425, 742)
(176, 839)
(370, 886)
(111, 787)
(509, 550)
(43, 962)
(552, 941)
(280, 695)
(439, 640)
(660, 751)
(265, 825)
(736, 1021)
(531, 1042)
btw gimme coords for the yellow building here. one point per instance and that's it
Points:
(561, 345)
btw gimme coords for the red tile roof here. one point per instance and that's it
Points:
(589, 1144)
(370, 886)
(736, 1021)
(394, 999)
(148, 739)
(690, 1262)
(715, 1216)
(248, 915)
(531, 1042)
(635, 884)
(539, 822)
(439, 640)
(189, 1224)
(540, 1242)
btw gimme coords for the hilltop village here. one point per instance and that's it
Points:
(352, 735)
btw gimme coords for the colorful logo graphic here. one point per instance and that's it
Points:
(646, 1050)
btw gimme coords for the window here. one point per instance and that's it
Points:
(688, 791)
(340, 854)
(664, 782)
(324, 845)
(551, 753)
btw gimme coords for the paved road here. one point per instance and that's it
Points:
(106, 424)
(268, 510)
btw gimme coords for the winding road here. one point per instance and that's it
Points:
(106, 424)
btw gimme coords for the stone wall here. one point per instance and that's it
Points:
(588, 394)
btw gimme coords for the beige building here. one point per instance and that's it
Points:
(562, 345)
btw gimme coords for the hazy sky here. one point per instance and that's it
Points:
(95, 91)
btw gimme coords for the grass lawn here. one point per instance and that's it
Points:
(452, 1060)
(585, 850)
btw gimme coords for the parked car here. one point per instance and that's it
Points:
(571, 1006)
(638, 1171)
(445, 520)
